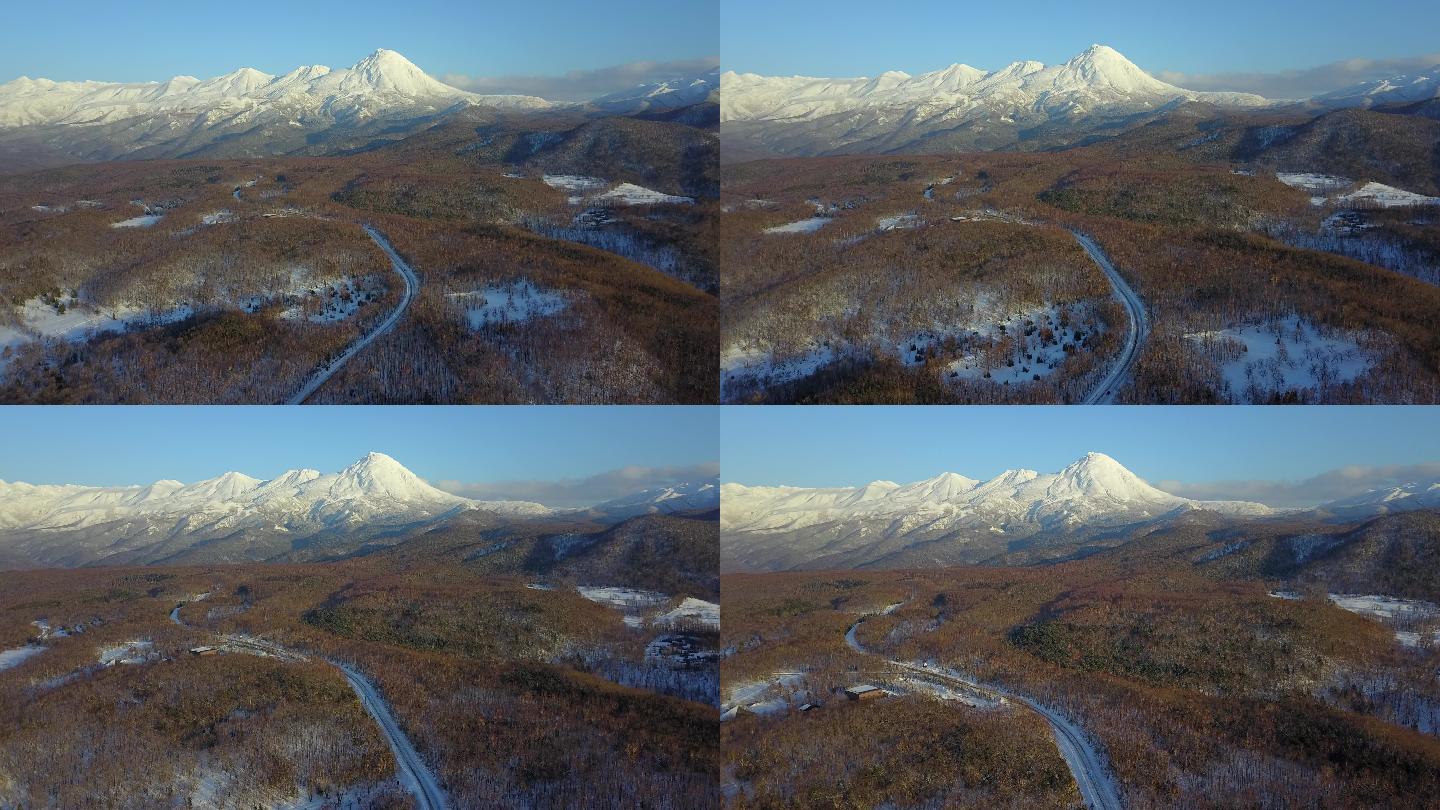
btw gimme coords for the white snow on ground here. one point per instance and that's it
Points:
(129, 652)
(1393, 611)
(539, 586)
(1288, 595)
(14, 657)
(81, 320)
(1313, 182)
(801, 226)
(739, 366)
(143, 221)
(897, 222)
(1387, 196)
(1284, 355)
(631, 194)
(575, 182)
(339, 300)
(707, 613)
(217, 217)
(632, 601)
(1043, 358)
(747, 695)
(516, 302)
(1385, 607)
(941, 692)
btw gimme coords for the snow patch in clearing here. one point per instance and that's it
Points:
(128, 652)
(333, 302)
(1387, 196)
(631, 194)
(740, 367)
(1314, 182)
(898, 222)
(217, 217)
(622, 598)
(516, 302)
(694, 610)
(1387, 608)
(801, 226)
(18, 655)
(143, 221)
(1282, 355)
(574, 182)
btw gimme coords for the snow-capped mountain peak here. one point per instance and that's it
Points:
(384, 81)
(1095, 490)
(380, 476)
(943, 520)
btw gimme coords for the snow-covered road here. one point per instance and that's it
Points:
(1135, 331)
(412, 283)
(416, 777)
(1096, 787)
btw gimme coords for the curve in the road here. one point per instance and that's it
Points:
(1135, 331)
(1096, 789)
(414, 775)
(412, 283)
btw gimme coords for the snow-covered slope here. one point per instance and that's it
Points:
(312, 110)
(1402, 89)
(776, 526)
(1400, 498)
(1098, 77)
(382, 80)
(684, 497)
(896, 109)
(662, 95)
(79, 524)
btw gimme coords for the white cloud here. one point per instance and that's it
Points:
(1328, 486)
(577, 492)
(1302, 83)
(583, 85)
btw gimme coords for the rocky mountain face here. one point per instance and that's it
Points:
(943, 520)
(959, 106)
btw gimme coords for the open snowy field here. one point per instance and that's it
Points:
(1283, 355)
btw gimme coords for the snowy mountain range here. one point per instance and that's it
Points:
(957, 105)
(1385, 500)
(942, 520)
(1406, 88)
(382, 81)
(669, 94)
(684, 497)
(310, 110)
(229, 518)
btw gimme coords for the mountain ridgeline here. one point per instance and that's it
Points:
(1018, 516)
(373, 504)
(1026, 105)
(311, 110)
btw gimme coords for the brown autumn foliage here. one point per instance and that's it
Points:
(1199, 688)
(485, 676)
(288, 246)
(1200, 243)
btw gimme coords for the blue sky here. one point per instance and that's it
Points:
(508, 448)
(855, 38)
(1213, 452)
(157, 39)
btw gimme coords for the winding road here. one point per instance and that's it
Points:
(1135, 331)
(1096, 788)
(412, 283)
(414, 776)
